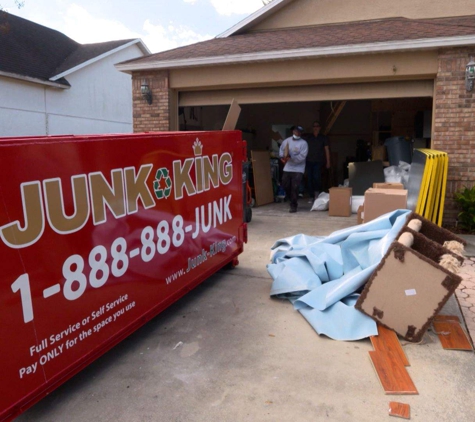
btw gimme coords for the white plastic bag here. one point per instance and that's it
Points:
(392, 174)
(397, 174)
(321, 203)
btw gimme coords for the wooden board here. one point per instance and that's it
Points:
(387, 340)
(333, 116)
(262, 177)
(401, 410)
(233, 116)
(391, 373)
(446, 318)
(452, 335)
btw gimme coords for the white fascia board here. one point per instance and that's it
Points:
(305, 53)
(138, 41)
(33, 80)
(142, 46)
(256, 17)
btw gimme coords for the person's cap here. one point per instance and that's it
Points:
(299, 128)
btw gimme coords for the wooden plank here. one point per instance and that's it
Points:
(452, 335)
(392, 374)
(400, 410)
(233, 116)
(333, 116)
(387, 340)
(446, 318)
(262, 177)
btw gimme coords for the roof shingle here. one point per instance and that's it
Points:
(352, 33)
(38, 52)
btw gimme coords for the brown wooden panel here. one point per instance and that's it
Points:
(233, 116)
(446, 318)
(391, 373)
(262, 177)
(401, 410)
(387, 340)
(452, 335)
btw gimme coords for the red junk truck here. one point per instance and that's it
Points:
(98, 235)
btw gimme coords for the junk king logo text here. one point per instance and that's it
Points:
(43, 200)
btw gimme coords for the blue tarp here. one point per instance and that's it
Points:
(321, 276)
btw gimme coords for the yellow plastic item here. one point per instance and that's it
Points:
(431, 200)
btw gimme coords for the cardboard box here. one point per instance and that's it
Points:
(380, 201)
(360, 215)
(340, 202)
(388, 186)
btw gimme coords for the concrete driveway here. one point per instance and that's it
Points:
(227, 352)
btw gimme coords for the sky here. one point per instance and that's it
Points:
(161, 24)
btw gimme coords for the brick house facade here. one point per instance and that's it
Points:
(454, 123)
(154, 117)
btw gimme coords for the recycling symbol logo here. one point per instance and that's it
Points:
(162, 185)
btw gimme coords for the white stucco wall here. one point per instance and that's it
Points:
(99, 101)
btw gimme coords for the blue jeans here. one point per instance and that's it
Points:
(314, 177)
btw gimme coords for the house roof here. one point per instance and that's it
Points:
(347, 38)
(40, 54)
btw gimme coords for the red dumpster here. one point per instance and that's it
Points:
(98, 235)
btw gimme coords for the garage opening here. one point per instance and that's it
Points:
(351, 126)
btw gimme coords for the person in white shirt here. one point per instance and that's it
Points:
(293, 152)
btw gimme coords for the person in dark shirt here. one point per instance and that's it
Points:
(318, 157)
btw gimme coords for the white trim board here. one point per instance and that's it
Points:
(138, 41)
(33, 80)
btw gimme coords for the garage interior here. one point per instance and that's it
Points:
(350, 125)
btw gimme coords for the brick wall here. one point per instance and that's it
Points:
(454, 123)
(155, 116)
